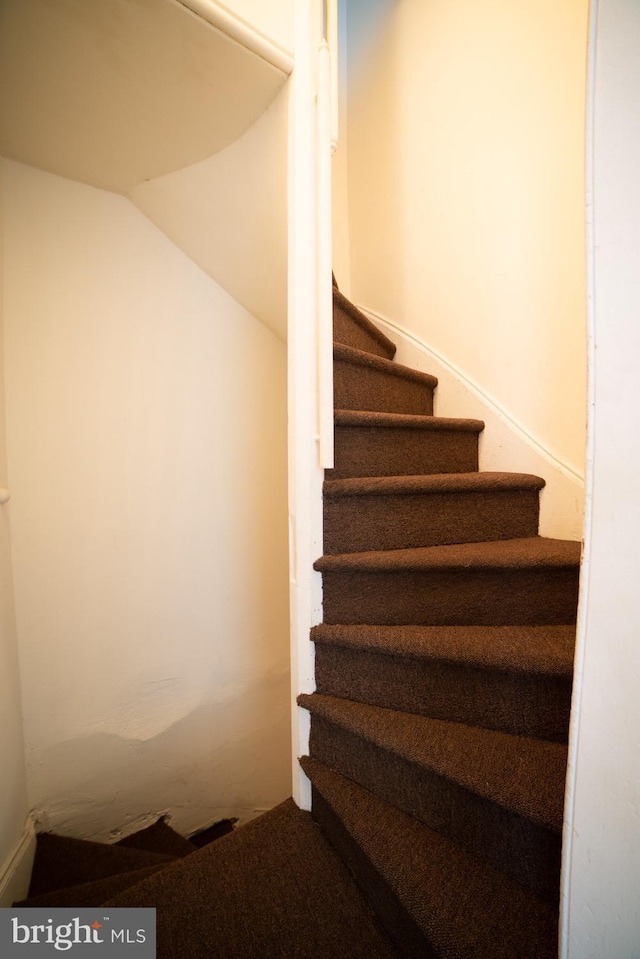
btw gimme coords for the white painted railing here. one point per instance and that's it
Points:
(310, 343)
(331, 36)
(325, 292)
(242, 32)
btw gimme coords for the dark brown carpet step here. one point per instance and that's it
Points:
(433, 898)
(159, 837)
(400, 512)
(61, 861)
(92, 893)
(510, 582)
(272, 889)
(353, 328)
(500, 797)
(386, 444)
(512, 678)
(362, 381)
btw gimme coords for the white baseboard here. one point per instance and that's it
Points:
(506, 444)
(15, 873)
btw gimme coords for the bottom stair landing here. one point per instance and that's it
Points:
(273, 889)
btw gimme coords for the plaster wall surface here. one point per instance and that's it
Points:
(13, 791)
(602, 867)
(229, 214)
(466, 195)
(146, 425)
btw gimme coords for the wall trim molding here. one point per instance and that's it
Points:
(223, 19)
(503, 414)
(15, 872)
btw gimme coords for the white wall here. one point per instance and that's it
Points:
(466, 195)
(146, 425)
(602, 851)
(13, 792)
(229, 214)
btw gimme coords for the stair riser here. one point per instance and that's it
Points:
(361, 523)
(359, 387)
(472, 596)
(348, 331)
(524, 705)
(529, 853)
(392, 916)
(381, 451)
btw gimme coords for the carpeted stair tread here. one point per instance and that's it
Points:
(62, 861)
(92, 893)
(431, 483)
(406, 421)
(469, 691)
(536, 650)
(401, 512)
(352, 328)
(464, 908)
(387, 444)
(348, 354)
(525, 776)
(364, 381)
(159, 837)
(524, 553)
(271, 889)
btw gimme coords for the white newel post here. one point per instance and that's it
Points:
(310, 346)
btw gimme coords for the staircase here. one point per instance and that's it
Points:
(438, 728)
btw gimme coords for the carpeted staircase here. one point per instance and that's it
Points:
(438, 729)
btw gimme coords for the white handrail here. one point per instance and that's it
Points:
(242, 32)
(332, 40)
(324, 329)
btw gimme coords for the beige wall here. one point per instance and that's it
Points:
(466, 195)
(602, 851)
(146, 416)
(13, 788)
(229, 214)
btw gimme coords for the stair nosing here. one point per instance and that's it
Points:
(492, 554)
(351, 715)
(351, 355)
(416, 421)
(433, 483)
(532, 662)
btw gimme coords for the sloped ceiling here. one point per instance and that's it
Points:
(117, 92)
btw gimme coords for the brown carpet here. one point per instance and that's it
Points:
(364, 381)
(434, 898)
(159, 837)
(61, 862)
(443, 667)
(516, 679)
(383, 444)
(352, 328)
(273, 889)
